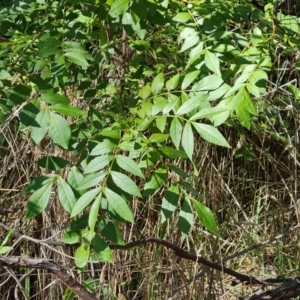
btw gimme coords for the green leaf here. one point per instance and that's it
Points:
(67, 110)
(4, 75)
(156, 180)
(38, 182)
(125, 183)
(172, 153)
(190, 41)
(77, 58)
(145, 92)
(191, 104)
(209, 113)
(158, 137)
(119, 7)
(189, 78)
(172, 83)
(104, 254)
(97, 163)
(52, 163)
(208, 83)
(161, 123)
(59, 130)
(110, 231)
(159, 104)
(55, 99)
(211, 134)
(206, 216)
(103, 148)
(84, 201)
(169, 203)
(94, 211)
(179, 171)
(182, 17)
(38, 201)
(39, 132)
(74, 177)
(186, 217)
(118, 205)
(176, 132)
(157, 84)
(82, 254)
(4, 249)
(127, 164)
(172, 104)
(65, 195)
(187, 140)
(91, 180)
(73, 237)
(212, 62)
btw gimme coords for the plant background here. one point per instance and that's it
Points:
(87, 85)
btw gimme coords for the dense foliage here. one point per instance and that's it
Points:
(115, 95)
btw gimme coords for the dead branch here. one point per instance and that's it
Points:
(59, 272)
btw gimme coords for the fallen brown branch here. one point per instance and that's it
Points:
(287, 290)
(59, 272)
(184, 254)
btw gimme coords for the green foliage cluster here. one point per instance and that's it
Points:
(124, 89)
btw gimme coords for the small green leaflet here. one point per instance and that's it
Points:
(156, 180)
(161, 123)
(176, 132)
(118, 205)
(211, 134)
(158, 137)
(67, 110)
(4, 249)
(206, 216)
(77, 58)
(190, 41)
(102, 250)
(43, 121)
(170, 152)
(125, 183)
(55, 99)
(110, 231)
(65, 194)
(74, 177)
(186, 217)
(189, 78)
(97, 163)
(209, 113)
(212, 62)
(91, 180)
(182, 17)
(73, 237)
(157, 84)
(52, 163)
(187, 140)
(119, 7)
(208, 83)
(84, 201)
(38, 201)
(103, 148)
(172, 83)
(38, 182)
(93, 214)
(129, 165)
(191, 104)
(82, 254)
(59, 130)
(145, 92)
(169, 203)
